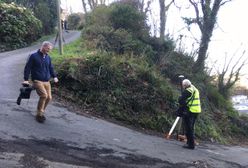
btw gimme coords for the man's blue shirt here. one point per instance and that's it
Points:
(40, 67)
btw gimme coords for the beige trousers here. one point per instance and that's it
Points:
(43, 89)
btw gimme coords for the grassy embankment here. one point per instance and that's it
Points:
(133, 92)
(125, 88)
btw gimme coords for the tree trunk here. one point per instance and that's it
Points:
(206, 26)
(90, 4)
(162, 19)
(200, 62)
(84, 6)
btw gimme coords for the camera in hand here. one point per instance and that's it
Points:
(25, 92)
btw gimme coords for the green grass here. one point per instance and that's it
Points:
(75, 49)
(70, 50)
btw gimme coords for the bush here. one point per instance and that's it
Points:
(118, 41)
(18, 27)
(119, 28)
(44, 10)
(76, 21)
(125, 16)
(128, 91)
(99, 17)
(160, 50)
(176, 63)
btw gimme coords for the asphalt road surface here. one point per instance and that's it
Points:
(69, 140)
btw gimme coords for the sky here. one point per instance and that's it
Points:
(229, 38)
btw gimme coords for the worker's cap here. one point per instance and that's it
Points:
(186, 83)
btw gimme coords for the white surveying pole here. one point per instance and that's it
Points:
(59, 28)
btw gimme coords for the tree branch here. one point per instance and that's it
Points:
(197, 14)
(223, 3)
(225, 83)
(168, 6)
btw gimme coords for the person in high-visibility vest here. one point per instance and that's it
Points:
(190, 107)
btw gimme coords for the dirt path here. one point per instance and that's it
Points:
(67, 139)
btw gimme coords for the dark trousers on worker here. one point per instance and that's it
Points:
(189, 124)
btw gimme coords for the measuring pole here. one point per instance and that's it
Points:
(181, 77)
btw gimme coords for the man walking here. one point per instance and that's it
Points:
(40, 67)
(190, 107)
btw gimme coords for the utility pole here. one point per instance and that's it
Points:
(59, 28)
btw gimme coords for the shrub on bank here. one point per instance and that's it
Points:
(125, 89)
(18, 27)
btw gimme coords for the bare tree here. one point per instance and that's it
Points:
(163, 16)
(84, 6)
(206, 12)
(147, 9)
(92, 4)
(230, 74)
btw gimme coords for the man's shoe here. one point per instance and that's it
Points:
(188, 147)
(40, 119)
(43, 118)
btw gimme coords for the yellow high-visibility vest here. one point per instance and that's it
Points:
(194, 102)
